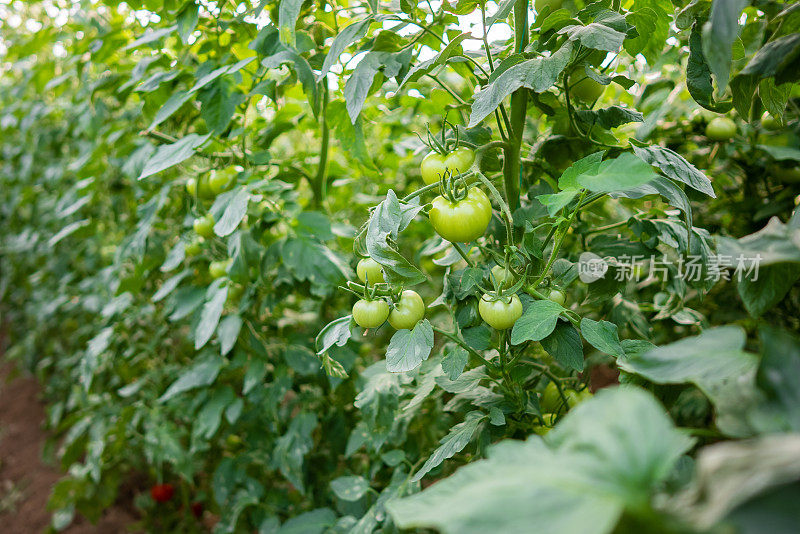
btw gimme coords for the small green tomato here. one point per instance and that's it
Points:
(369, 269)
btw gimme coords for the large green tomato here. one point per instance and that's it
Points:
(587, 90)
(220, 181)
(500, 314)
(720, 129)
(462, 221)
(204, 226)
(369, 269)
(432, 168)
(408, 311)
(557, 296)
(218, 269)
(503, 276)
(370, 313)
(552, 4)
(460, 160)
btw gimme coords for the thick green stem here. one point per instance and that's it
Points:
(321, 177)
(519, 107)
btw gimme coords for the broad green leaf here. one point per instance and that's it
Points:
(454, 360)
(172, 105)
(587, 165)
(453, 443)
(776, 59)
(769, 288)
(781, 153)
(170, 284)
(557, 201)
(417, 71)
(202, 373)
(779, 379)
(537, 322)
(595, 35)
(537, 74)
(698, 76)
(288, 11)
(168, 155)
(228, 333)
(174, 258)
(603, 336)
(676, 167)
(626, 171)
(347, 36)
(336, 332)
(719, 33)
(291, 448)
(358, 84)
(775, 243)
(409, 348)
(388, 219)
(610, 117)
(350, 488)
(187, 20)
(210, 315)
(151, 36)
(233, 205)
(565, 346)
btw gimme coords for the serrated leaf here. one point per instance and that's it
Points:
(603, 336)
(350, 488)
(169, 155)
(409, 348)
(210, 315)
(565, 346)
(676, 167)
(453, 443)
(537, 322)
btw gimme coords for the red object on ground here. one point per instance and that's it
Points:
(162, 492)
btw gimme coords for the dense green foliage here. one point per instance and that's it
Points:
(187, 189)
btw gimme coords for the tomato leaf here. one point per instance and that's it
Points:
(565, 346)
(409, 348)
(454, 442)
(603, 336)
(537, 322)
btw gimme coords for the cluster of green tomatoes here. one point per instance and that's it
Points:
(461, 213)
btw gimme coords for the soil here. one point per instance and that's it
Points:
(25, 480)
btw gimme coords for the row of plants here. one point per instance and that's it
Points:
(319, 267)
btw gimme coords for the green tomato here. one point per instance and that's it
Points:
(586, 89)
(218, 269)
(235, 292)
(191, 186)
(204, 226)
(769, 122)
(576, 397)
(369, 269)
(721, 129)
(194, 247)
(432, 168)
(408, 311)
(551, 399)
(539, 5)
(219, 181)
(500, 314)
(557, 296)
(460, 160)
(503, 276)
(464, 220)
(370, 313)
(204, 188)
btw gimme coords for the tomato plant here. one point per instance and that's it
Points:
(596, 201)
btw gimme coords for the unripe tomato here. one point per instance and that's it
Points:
(460, 160)
(432, 167)
(464, 220)
(235, 291)
(219, 181)
(500, 314)
(769, 122)
(370, 313)
(557, 296)
(576, 397)
(218, 269)
(539, 5)
(408, 311)
(194, 247)
(551, 399)
(586, 89)
(203, 188)
(720, 129)
(191, 186)
(162, 492)
(369, 269)
(204, 226)
(503, 276)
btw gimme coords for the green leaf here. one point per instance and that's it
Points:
(776, 59)
(676, 167)
(409, 348)
(538, 74)
(603, 456)
(453, 443)
(187, 20)
(626, 171)
(288, 11)
(595, 35)
(347, 36)
(233, 205)
(565, 346)
(453, 47)
(170, 284)
(454, 360)
(774, 98)
(781, 153)
(779, 379)
(698, 75)
(336, 332)
(350, 488)
(719, 33)
(349, 135)
(228, 333)
(172, 105)
(291, 448)
(603, 336)
(210, 315)
(313, 522)
(168, 155)
(202, 373)
(388, 219)
(537, 322)
(218, 104)
(769, 288)
(359, 83)
(586, 165)
(312, 261)
(610, 117)
(557, 201)
(775, 243)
